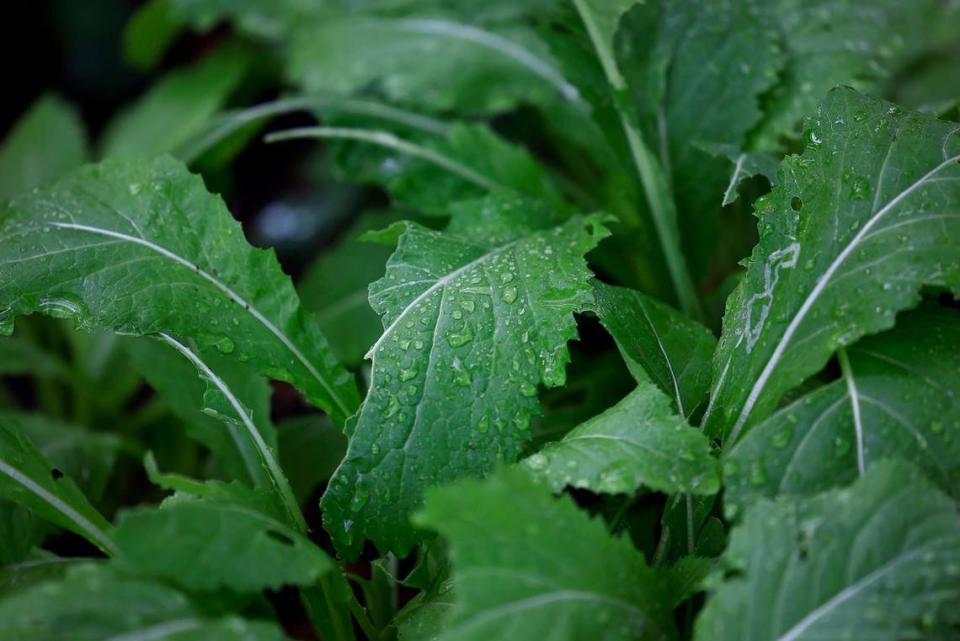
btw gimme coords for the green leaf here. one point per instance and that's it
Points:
(475, 318)
(640, 441)
(677, 57)
(440, 64)
(36, 567)
(658, 343)
(880, 560)
(857, 224)
(839, 42)
(149, 34)
(93, 602)
(427, 173)
(515, 576)
(174, 379)
(205, 545)
(601, 20)
(178, 107)
(18, 356)
(140, 247)
(28, 479)
(897, 398)
(47, 142)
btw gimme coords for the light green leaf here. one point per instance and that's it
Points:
(176, 108)
(28, 479)
(149, 34)
(515, 577)
(880, 561)
(140, 247)
(867, 213)
(640, 441)
(93, 603)
(658, 343)
(897, 398)
(47, 142)
(475, 319)
(174, 379)
(440, 64)
(206, 545)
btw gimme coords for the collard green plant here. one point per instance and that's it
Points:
(586, 319)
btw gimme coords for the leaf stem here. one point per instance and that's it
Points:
(663, 210)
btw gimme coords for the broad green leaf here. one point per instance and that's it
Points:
(427, 172)
(516, 578)
(640, 441)
(334, 288)
(840, 42)
(658, 343)
(676, 58)
(20, 531)
(475, 318)
(178, 107)
(94, 602)
(897, 398)
(437, 63)
(27, 478)
(174, 379)
(685, 577)
(140, 247)
(271, 19)
(206, 544)
(47, 142)
(879, 560)
(857, 224)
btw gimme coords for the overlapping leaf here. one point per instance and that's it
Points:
(140, 247)
(880, 560)
(858, 223)
(658, 343)
(475, 319)
(93, 602)
(640, 441)
(28, 479)
(898, 398)
(515, 576)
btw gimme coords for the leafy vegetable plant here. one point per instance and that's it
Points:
(747, 212)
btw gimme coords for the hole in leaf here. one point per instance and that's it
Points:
(281, 537)
(56, 474)
(796, 204)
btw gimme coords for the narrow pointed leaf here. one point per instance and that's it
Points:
(140, 247)
(658, 343)
(879, 560)
(475, 319)
(28, 479)
(640, 441)
(904, 385)
(867, 213)
(512, 581)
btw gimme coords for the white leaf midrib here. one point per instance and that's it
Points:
(93, 532)
(230, 293)
(821, 285)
